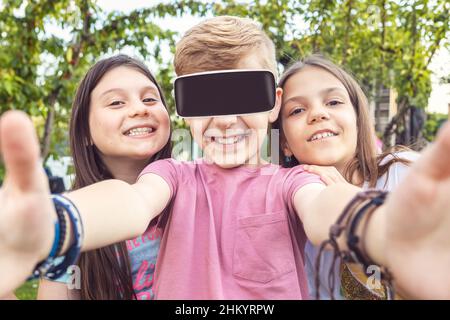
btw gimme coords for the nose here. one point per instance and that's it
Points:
(138, 109)
(224, 122)
(318, 113)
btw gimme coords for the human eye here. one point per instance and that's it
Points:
(334, 102)
(297, 110)
(116, 103)
(150, 100)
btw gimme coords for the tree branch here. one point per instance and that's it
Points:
(52, 98)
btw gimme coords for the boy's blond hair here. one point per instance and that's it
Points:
(221, 43)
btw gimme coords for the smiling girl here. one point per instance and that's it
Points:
(119, 124)
(325, 124)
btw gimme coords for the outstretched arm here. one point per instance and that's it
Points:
(410, 234)
(319, 207)
(111, 211)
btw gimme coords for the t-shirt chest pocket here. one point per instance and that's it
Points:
(263, 248)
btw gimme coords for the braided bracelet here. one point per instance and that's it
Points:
(335, 232)
(356, 249)
(372, 200)
(364, 203)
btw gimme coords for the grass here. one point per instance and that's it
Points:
(28, 291)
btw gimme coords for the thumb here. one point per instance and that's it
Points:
(20, 149)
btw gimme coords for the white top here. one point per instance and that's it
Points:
(397, 172)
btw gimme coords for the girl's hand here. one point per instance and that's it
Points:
(26, 211)
(329, 175)
(417, 222)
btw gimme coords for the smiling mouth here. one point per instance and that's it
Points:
(227, 140)
(137, 132)
(321, 136)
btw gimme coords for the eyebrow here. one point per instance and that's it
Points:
(146, 88)
(321, 92)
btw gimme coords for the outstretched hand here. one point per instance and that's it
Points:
(26, 211)
(418, 225)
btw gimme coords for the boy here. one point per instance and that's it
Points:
(229, 231)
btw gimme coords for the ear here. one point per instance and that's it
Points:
(286, 149)
(276, 109)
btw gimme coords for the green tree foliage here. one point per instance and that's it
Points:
(433, 124)
(40, 70)
(384, 43)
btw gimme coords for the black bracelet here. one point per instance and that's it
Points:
(43, 267)
(62, 232)
(334, 233)
(363, 203)
(73, 252)
(358, 254)
(356, 245)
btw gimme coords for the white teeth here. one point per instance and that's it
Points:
(230, 140)
(322, 136)
(139, 131)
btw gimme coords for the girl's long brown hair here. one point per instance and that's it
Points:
(105, 272)
(366, 161)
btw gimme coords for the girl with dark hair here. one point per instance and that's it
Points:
(119, 124)
(325, 124)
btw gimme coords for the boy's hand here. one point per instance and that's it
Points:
(418, 225)
(26, 211)
(328, 174)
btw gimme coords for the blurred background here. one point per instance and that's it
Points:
(398, 49)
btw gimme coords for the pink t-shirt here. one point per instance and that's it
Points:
(230, 233)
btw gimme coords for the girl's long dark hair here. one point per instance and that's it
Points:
(105, 272)
(370, 165)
